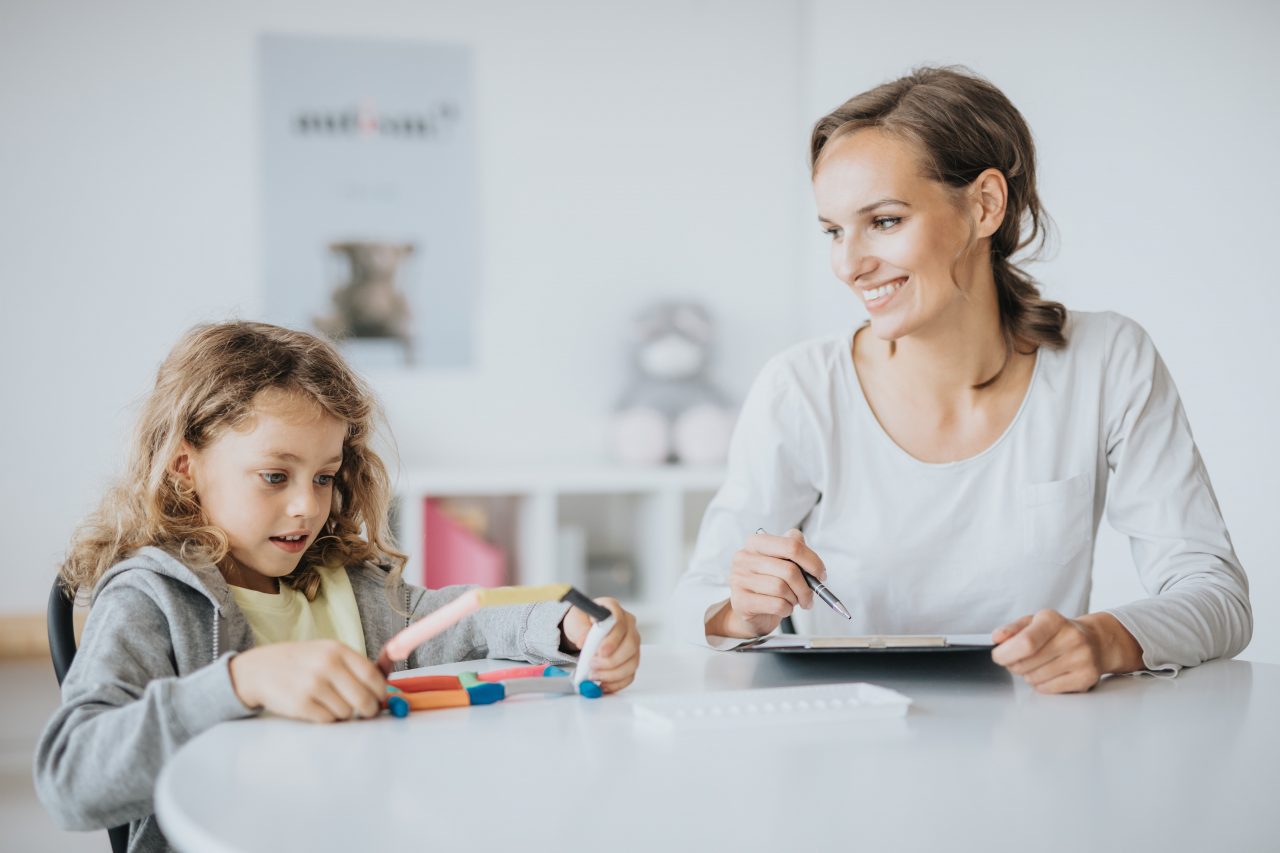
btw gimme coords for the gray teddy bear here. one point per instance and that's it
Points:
(671, 412)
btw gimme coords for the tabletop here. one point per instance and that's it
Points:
(979, 762)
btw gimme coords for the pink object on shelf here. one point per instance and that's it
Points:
(452, 554)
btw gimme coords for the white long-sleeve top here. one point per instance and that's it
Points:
(965, 547)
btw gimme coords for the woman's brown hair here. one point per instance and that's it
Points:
(207, 385)
(963, 125)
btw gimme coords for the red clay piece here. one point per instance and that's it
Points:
(423, 683)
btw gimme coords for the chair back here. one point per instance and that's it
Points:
(62, 648)
(62, 632)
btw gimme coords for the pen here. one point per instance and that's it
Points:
(820, 589)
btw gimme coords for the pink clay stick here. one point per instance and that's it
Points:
(399, 647)
(538, 670)
(436, 622)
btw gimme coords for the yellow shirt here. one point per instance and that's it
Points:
(287, 616)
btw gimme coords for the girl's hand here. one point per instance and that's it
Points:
(319, 680)
(614, 665)
(765, 585)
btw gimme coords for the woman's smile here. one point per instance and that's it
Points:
(879, 296)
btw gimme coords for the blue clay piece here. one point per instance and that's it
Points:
(486, 693)
(554, 670)
(590, 689)
(398, 706)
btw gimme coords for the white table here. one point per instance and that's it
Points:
(980, 762)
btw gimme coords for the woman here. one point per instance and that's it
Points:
(944, 468)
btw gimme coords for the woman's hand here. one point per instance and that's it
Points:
(765, 585)
(1055, 654)
(319, 680)
(614, 665)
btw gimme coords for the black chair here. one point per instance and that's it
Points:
(62, 647)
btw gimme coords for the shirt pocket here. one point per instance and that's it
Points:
(1058, 522)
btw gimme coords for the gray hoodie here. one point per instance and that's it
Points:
(151, 673)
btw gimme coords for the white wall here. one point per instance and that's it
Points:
(627, 150)
(1156, 126)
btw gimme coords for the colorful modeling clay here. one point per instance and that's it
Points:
(421, 692)
(399, 647)
(536, 671)
(426, 692)
(539, 685)
(437, 699)
(418, 683)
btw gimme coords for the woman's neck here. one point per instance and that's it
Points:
(959, 350)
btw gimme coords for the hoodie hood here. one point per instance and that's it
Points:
(206, 579)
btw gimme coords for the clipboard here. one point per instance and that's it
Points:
(868, 644)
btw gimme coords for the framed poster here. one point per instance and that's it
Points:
(369, 196)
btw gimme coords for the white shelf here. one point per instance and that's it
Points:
(664, 503)
(564, 480)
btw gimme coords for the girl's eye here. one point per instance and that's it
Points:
(325, 480)
(832, 232)
(884, 223)
(273, 478)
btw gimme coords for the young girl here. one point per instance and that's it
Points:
(245, 564)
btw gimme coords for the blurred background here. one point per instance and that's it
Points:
(616, 154)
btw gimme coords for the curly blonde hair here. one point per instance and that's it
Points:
(206, 386)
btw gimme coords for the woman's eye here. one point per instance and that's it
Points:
(325, 479)
(273, 478)
(832, 232)
(884, 223)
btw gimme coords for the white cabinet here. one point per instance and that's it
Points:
(621, 531)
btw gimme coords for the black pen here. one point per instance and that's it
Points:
(819, 588)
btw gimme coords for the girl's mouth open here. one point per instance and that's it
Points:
(290, 544)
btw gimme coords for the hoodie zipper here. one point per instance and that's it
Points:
(400, 666)
(216, 618)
